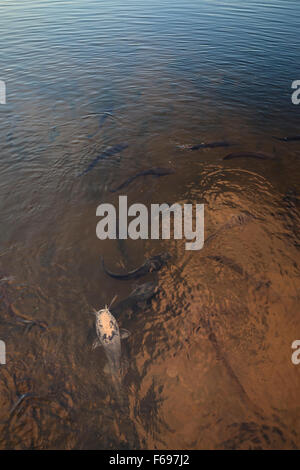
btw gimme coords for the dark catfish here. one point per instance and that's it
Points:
(234, 221)
(150, 171)
(155, 263)
(291, 138)
(203, 145)
(224, 359)
(14, 312)
(102, 120)
(238, 269)
(20, 400)
(140, 295)
(106, 153)
(230, 263)
(258, 156)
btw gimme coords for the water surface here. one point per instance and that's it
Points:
(208, 363)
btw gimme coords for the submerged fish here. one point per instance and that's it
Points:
(102, 120)
(26, 321)
(235, 221)
(150, 171)
(53, 133)
(141, 294)
(106, 153)
(20, 400)
(152, 264)
(222, 357)
(259, 156)
(14, 312)
(138, 298)
(109, 337)
(204, 145)
(230, 263)
(238, 269)
(291, 138)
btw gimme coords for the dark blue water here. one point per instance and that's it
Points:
(208, 357)
(97, 53)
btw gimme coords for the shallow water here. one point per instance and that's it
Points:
(208, 363)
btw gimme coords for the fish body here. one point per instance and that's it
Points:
(14, 312)
(106, 153)
(144, 292)
(291, 138)
(229, 262)
(141, 294)
(238, 269)
(102, 120)
(109, 337)
(235, 221)
(20, 400)
(151, 171)
(258, 156)
(203, 145)
(152, 264)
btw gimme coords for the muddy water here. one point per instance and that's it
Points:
(208, 363)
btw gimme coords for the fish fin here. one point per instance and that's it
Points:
(113, 300)
(124, 333)
(96, 343)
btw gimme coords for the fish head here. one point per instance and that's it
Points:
(156, 262)
(106, 326)
(164, 257)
